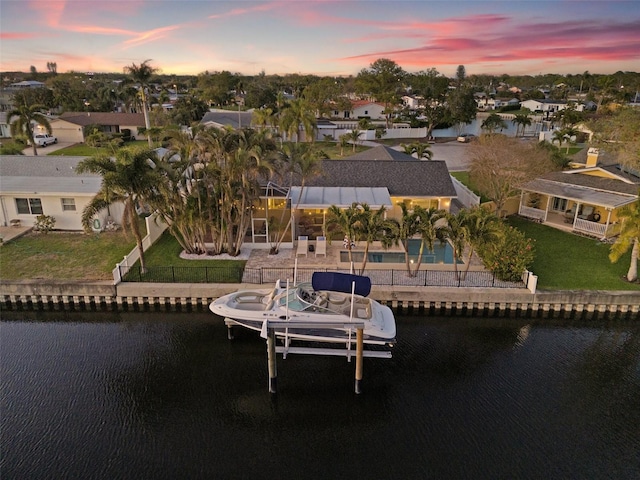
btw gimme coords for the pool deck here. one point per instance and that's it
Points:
(286, 258)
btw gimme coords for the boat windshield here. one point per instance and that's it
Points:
(305, 298)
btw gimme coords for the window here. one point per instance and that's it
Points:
(559, 204)
(366, 112)
(29, 206)
(68, 204)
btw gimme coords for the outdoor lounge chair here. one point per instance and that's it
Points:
(303, 245)
(321, 246)
(586, 211)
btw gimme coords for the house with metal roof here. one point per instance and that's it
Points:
(583, 200)
(33, 186)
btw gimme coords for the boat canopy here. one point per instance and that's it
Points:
(341, 282)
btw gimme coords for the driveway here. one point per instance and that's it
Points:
(45, 150)
(455, 154)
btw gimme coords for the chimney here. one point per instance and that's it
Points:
(592, 157)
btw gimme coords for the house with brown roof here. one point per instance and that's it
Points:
(584, 200)
(70, 126)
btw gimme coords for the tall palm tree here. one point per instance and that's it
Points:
(343, 141)
(372, 226)
(131, 179)
(297, 116)
(25, 117)
(343, 220)
(408, 226)
(558, 136)
(263, 117)
(629, 238)
(455, 231)
(429, 229)
(141, 74)
(521, 120)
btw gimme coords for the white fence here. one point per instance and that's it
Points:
(155, 228)
(465, 196)
(371, 134)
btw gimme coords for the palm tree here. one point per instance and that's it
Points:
(558, 136)
(296, 160)
(25, 116)
(521, 120)
(372, 226)
(428, 229)
(142, 74)
(343, 141)
(422, 150)
(130, 179)
(343, 220)
(408, 226)
(455, 231)
(493, 122)
(263, 117)
(297, 116)
(353, 136)
(629, 238)
(483, 227)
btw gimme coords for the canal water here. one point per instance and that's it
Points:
(168, 396)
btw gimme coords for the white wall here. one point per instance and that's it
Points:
(52, 206)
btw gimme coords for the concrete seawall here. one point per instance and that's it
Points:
(104, 296)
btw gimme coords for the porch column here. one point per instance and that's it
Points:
(546, 210)
(575, 214)
(606, 227)
(520, 206)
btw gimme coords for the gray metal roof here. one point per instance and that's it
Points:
(579, 193)
(323, 197)
(45, 174)
(228, 118)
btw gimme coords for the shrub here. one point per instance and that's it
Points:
(509, 256)
(44, 223)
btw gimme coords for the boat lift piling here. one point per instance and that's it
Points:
(269, 328)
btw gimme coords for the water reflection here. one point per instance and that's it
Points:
(98, 395)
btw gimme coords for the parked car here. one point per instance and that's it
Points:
(44, 139)
(466, 137)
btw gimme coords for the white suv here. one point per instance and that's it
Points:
(44, 139)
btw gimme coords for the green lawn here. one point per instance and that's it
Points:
(82, 150)
(565, 261)
(72, 256)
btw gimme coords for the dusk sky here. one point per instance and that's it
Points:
(321, 37)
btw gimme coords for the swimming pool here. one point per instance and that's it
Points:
(442, 253)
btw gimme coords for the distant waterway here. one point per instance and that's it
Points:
(168, 396)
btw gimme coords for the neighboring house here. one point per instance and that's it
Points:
(69, 127)
(33, 186)
(362, 109)
(583, 200)
(411, 101)
(547, 105)
(379, 177)
(228, 118)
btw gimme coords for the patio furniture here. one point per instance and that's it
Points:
(586, 211)
(569, 215)
(321, 246)
(15, 222)
(303, 245)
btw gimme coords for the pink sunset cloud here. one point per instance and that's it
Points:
(469, 40)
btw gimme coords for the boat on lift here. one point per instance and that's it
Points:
(326, 306)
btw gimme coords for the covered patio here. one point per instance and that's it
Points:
(574, 208)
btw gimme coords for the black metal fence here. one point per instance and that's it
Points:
(423, 278)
